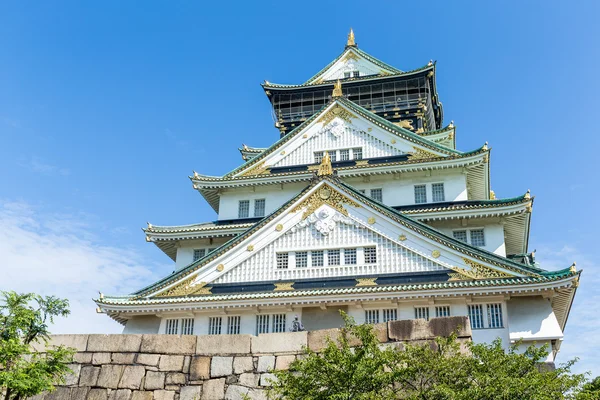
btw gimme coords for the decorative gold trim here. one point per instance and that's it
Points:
(220, 267)
(279, 228)
(285, 286)
(325, 195)
(250, 247)
(337, 89)
(282, 152)
(492, 195)
(436, 254)
(405, 123)
(351, 41)
(573, 268)
(325, 168)
(402, 237)
(369, 129)
(371, 220)
(420, 154)
(362, 162)
(336, 111)
(350, 56)
(186, 288)
(477, 271)
(366, 282)
(258, 169)
(305, 135)
(393, 141)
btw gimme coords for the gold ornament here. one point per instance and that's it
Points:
(286, 286)
(337, 89)
(420, 154)
(477, 271)
(351, 41)
(250, 248)
(186, 288)
(402, 237)
(325, 195)
(258, 169)
(279, 228)
(436, 254)
(220, 267)
(366, 282)
(325, 168)
(371, 220)
(336, 111)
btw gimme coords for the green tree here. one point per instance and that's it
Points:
(356, 366)
(24, 320)
(591, 390)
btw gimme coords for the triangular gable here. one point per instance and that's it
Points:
(359, 214)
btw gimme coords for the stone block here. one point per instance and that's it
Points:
(283, 362)
(223, 344)
(289, 342)
(98, 394)
(77, 342)
(175, 378)
(213, 389)
(221, 366)
(82, 358)
(79, 393)
(110, 375)
(164, 395)
(148, 359)
(132, 377)
(249, 379)
(89, 376)
(257, 394)
(235, 392)
(141, 395)
(265, 379)
(199, 368)
(171, 363)
(186, 364)
(169, 344)
(317, 340)
(242, 364)
(100, 358)
(121, 394)
(190, 393)
(154, 380)
(266, 363)
(448, 325)
(61, 393)
(115, 343)
(123, 358)
(381, 332)
(72, 378)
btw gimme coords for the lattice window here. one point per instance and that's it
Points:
(278, 323)
(420, 194)
(460, 235)
(333, 257)
(437, 192)
(301, 259)
(422, 313)
(370, 255)
(442, 311)
(187, 326)
(316, 258)
(390, 314)
(199, 253)
(344, 155)
(477, 238)
(476, 316)
(494, 314)
(318, 157)
(214, 325)
(371, 316)
(377, 194)
(333, 156)
(262, 324)
(172, 327)
(349, 256)
(355, 74)
(234, 324)
(244, 209)
(357, 153)
(282, 260)
(347, 74)
(259, 207)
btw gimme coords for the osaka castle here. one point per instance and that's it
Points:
(363, 204)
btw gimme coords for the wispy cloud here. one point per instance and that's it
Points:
(59, 254)
(37, 165)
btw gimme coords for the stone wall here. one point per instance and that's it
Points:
(165, 367)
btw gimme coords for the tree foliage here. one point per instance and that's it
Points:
(357, 366)
(24, 320)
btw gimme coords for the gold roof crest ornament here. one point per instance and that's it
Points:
(325, 168)
(337, 89)
(351, 41)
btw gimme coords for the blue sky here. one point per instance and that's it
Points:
(107, 107)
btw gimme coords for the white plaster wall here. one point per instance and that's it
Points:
(493, 232)
(532, 318)
(185, 251)
(365, 67)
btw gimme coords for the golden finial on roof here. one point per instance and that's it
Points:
(351, 41)
(485, 146)
(492, 195)
(337, 89)
(528, 194)
(573, 267)
(451, 124)
(325, 167)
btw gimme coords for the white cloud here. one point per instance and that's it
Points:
(37, 165)
(60, 254)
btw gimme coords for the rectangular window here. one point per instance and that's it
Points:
(199, 253)
(233, 325)
(301, 259)
(344, 155)
(349, 256)
(477, 238)
(370, 255)
(347, 74)
(187, 326)
(377, 194)
(333, 156)
(172, 327)
(279, 323)
(355, 74)
(282, 260)
(420, 194)
(333, 257)
(357, 153)
(244, 209)
(214, 325)
(390, 314)
(442, 311)
(494, 314)
(460, 235)
(422, 313)
(317, 258)
(371, 316)
(476, 316)
(259, 207)
(318, 156)
(437, 192)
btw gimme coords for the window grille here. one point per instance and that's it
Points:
(333, 156)
(377, 194)
(187, 326)
(494, 314)
(233, 325)
(390, 314)
(355, 74)
(372, 316)
(333, 257)
(301, 259)
(437, 192)
(460, 235)
(199, 253)
(347, 74)
(370, 255)
(262, 324)
(259, 207)
(442, 311)
(349, 256)
(420, 194)
(344, 155)
(278, 323)
(476, 316)
(282, 260)
(477, 238)
(357, 153)
(172, 327)
(318, 156)
(317, 258)
(214, 325)
(244, 209)
(422, 313)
